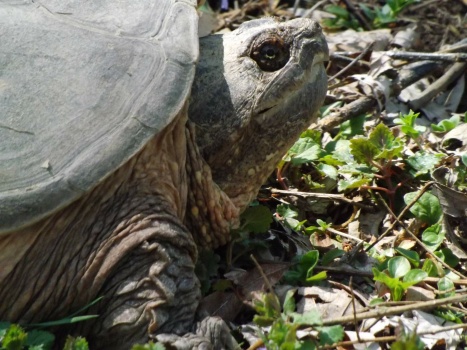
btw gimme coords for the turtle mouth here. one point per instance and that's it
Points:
(266, 109)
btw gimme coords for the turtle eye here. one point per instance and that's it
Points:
(271, 53)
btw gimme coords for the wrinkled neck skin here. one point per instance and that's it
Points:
(246, 118)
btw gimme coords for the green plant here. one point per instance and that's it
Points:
(398, 267)
(302, 272)
(285, 323)
(14, 337)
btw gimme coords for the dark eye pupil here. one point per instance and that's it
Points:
(270, 53)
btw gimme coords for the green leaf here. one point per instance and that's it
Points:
(309, 318)
(337, 10)
(78, 343)
(376, 301)
(381, 137)
(314, 152)
(427, 208)
(408, 126)
(394, 285)
(449, 257)
(310, 259)
(432, 237)
(3, 328)
(331, 334)
(431, 268)
(66, 320)
(354, 182)
(148, 346)
(327, 170)
(331, 255)
(40, 338)
(320, 276)
(289, 302)
(398, 266)
(446, 286)
(412, 256)
(14, 338)
(363, 150)
(446, 124)
(353, 127)
(256, 219)
(288, 215)
(413, 277)
(423, 162)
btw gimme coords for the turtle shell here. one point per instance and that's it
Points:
(83, 86)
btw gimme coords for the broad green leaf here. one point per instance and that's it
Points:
(446, 124)
(331, 334)
(304, 150)
(363, 150)
(398, 266)
(353, 126)
(351, 183)
(288, 215)
(310, 259)
(446, 286)
(327, 170)
(256, 219)
(37, 338)
(331, 255)
(381, 137)
(464, 159)
(427, 208)
(413, 277)
(412, 256)
(432, 237)
(320, 276)
(423, 162)
(449, 257)
(337, 10)
(431, 268)
(3, 328)
(309, 318)
(313, 152)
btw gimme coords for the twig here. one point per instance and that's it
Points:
(354, 309)
(420, 56)
(337, 197)
(439, 85)
(387, 311)
(401, 215)
(354, 61)
(309, 12)
(263, 275)
(348, 343)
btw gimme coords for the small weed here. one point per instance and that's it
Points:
(282, 334)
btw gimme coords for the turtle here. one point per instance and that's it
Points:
(127, 145)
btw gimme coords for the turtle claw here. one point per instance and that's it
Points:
(211, 333)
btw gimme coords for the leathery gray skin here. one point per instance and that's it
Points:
(135, 243)
(247, 118)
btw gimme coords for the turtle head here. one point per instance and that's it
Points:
(256, 89)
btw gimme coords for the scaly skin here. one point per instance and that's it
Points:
(125, 241)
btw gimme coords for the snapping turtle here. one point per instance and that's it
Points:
(117, 160)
